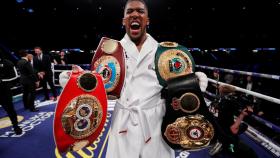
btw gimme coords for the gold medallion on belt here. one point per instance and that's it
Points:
(191, 132)
(109, 69)
(173, 63)
(82, 116)
(109, 46)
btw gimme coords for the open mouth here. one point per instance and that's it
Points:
(135, 26)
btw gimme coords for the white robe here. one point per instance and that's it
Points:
(136, 124)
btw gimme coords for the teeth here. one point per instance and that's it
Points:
(135, 24)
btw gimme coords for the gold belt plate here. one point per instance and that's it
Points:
(173, 63)
(82, 116)
(191, 132)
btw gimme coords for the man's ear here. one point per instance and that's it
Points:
(123, 21)
(148, 21)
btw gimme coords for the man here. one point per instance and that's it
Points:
(8, 73)
(42, 66)
(229, 107)
(216, 77)
(140, 99)
(136, 123)
(61, 59)
(28, 79)
(252, 85)
(30, 59)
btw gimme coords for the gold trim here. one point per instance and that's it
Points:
(109, 46)
(169, 44)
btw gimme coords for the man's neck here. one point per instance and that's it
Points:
(140, 42)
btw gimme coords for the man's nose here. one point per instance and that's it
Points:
(135, 13)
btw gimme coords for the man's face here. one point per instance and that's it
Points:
(135, 20)
(62, 53)
(37, 51)
(216, 74)
(30, 57)
(249, 78)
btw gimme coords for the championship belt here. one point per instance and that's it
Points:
(109, 62)
(81, 112)
(187, 123)
(172, 60)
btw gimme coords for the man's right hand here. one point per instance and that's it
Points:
(247, 111)
(41, 75)
(64, 76)
(37, 84)
(76, 69)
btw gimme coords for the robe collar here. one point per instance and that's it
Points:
(132, 51)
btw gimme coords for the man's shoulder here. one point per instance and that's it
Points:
(21, 61)
(8, 62)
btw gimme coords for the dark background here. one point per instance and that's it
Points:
(55, 24)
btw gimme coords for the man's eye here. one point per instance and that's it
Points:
(141, 11)
(129, 11)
